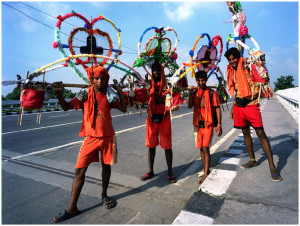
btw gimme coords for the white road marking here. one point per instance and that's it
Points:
(230, 160)
(217, 182)
(26, 130)
(55, 116)
(129, 222)
(189, 218)
(76, 142)
(184, 176)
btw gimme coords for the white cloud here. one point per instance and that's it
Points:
(181, 11)
(53, 8)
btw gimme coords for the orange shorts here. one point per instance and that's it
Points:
(203, 136)
(90, 148)
(163, 129)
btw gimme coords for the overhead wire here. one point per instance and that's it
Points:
(74, 25)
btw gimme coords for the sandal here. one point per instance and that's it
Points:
(249, 165)
(108, 202)
(276, 177)
(146, 176)
(172, 179)
(65, 216)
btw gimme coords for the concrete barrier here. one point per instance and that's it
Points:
(289, 99)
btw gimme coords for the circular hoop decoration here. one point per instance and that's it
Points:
(96, 32)
(206, 54)
(153, 44)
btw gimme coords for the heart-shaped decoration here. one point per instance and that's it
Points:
(88, 29)
(92, 50)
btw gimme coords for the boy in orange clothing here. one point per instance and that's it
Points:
(158, 123)
(245, 111)
(199, 98)
(97, 128)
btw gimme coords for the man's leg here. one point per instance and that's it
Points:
(169, 159)
(151, 157)
(76, 189)
(205, 155)
(249, 145)
(265, 143)
(106, 172)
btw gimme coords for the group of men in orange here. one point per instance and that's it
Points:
(100, 136)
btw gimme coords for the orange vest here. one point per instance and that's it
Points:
(102, 124)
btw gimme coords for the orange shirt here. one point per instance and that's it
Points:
(102, 126)
(159, 108)
(251, 86)
(202, 105)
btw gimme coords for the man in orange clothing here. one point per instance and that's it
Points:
(200, 99)
(245, 111)
(158, 123)
(99, 132)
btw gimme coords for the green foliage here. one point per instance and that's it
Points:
(284, 82)
(14, 95)
(3, 98)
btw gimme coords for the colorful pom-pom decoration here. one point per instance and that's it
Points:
(59, 17)
(191, 52)
(85, 26)
(243, 30)
(73, 12)
(157, 30)
(54, 44)
(65, 65)
(120, 52)
(101, 17)
(65, 46)
(174, 56)
(119, 29)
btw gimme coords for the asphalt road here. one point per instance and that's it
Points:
(38, 163)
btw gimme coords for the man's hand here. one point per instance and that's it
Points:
(57, 86)
(218, 130)
(117, 87)
(159, 99)
(193, 90)
(232, 112)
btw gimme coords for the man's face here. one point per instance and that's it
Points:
(100, 82)
(233, 61)
(156, 72)
(201, 82)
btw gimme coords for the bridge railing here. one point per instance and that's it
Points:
(289, 98)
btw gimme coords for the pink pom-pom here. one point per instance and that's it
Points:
(243, 30)
(65, 65)
(174, 56)
(156, 30)
(77, 61)
(54, 44)
(101, 17)
(69, 58)
(120, 52)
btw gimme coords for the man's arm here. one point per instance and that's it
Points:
(191, 96)
(57, 86)
(219, 126)
(121, 106)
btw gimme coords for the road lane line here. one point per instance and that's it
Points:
(77, 142)
(25, 130)
(55, 116)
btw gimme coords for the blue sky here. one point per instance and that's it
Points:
(27, 44)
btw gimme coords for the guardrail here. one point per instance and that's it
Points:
(289, 98)
(9, 106)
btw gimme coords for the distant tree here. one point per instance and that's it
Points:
(3, 98)
(284, 82)
(14, 95)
